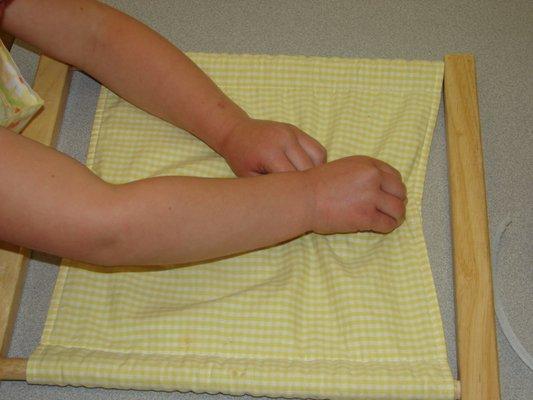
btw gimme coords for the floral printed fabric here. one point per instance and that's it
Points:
(18, 101)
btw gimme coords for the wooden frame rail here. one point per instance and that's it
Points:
(476, 335)
(474, 303)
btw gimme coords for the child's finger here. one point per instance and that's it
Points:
(299, 158)
(383, 223)
(391, 184)
(313, 148)
(392, 206)
(387, 168)
(280, 164)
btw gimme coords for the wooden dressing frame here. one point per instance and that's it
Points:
(476, 335)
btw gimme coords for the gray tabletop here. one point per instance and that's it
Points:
(500, 34)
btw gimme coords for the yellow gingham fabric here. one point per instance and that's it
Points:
(341, 316)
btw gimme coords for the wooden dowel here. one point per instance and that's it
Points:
(476, 336)
(13, 369)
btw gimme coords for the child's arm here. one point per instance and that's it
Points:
(51, 203)
(147, 70)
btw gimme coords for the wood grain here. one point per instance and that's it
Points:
(13, 369)
(12, 273)
(51, 83)
(476, 336)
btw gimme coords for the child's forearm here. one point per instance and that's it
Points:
(183, 219)
(51, 203)
(130, 59)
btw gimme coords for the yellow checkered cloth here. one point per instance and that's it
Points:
(341, 316)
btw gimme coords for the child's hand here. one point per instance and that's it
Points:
(256, 147)
(357, 194)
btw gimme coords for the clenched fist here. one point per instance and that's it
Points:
(356, 194)
(255, 147)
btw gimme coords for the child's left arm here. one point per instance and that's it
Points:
(148, 71)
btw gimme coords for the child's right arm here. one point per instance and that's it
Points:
(51, 203)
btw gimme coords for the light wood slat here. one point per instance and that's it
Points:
(476, 336)
(12, 273)
(51, 83)
(13, 369)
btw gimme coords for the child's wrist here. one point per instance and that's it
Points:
(310, 200)
(227, 132)
(224, 117)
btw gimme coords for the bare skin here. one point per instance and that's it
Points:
(148, 71)
(175, 219)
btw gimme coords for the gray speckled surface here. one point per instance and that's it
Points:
(500, 34)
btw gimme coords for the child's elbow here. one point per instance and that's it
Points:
(103, 238)
(105, 252)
